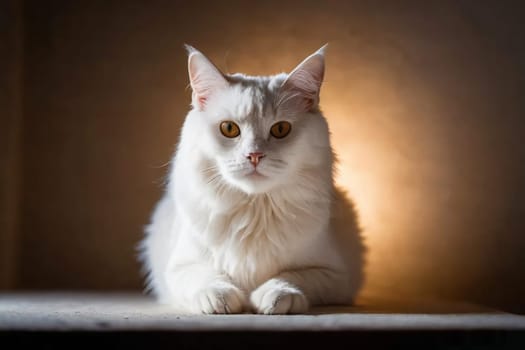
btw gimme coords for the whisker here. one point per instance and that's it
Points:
(277, 160)
(213, 178)
(161, 166)
(238, 170)
(277, 163)
(210, 169)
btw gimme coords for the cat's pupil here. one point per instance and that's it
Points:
(229, 127)
(280, 127)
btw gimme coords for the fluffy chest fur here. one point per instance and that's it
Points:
(253, 237)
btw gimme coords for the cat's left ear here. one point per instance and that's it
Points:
(205, 78)
(303, 84)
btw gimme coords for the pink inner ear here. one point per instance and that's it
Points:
(201, 99)
(304, 103)
(301, 89)
(296, 100)
(308, 103)
(205, 78)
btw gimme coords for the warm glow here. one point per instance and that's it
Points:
(368, 122)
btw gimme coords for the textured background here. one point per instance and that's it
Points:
(425, 100)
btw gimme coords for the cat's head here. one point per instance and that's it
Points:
(258, 133)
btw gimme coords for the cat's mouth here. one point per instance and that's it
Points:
(254, 174)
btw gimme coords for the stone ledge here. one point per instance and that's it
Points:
(66, 311)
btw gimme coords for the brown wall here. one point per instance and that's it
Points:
(10, 135)
(425, 101)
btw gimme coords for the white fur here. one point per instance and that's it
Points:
(223, 240)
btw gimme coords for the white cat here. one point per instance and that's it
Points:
(251, 219)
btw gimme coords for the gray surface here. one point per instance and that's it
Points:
(125, 311)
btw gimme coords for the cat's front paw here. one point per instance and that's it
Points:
(278, 297)
(219, 298)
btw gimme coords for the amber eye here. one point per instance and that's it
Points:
(280, 129)
(230, 129)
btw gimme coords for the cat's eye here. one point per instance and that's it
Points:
(280, 129)
(230, 129)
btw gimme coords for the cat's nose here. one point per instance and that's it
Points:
(255, 157)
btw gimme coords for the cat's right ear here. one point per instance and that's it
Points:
(205, 78)
(301, 87)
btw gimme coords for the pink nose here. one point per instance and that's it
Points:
(255, 157)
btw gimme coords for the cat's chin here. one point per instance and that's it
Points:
(254, 183)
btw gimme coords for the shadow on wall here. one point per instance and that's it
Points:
(424, 101)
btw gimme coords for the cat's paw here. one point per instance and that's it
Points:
(278, 297)
(219, 298)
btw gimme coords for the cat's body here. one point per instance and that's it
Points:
(251, 218)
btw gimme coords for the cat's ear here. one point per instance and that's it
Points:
(205, 78)
(304, 83)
